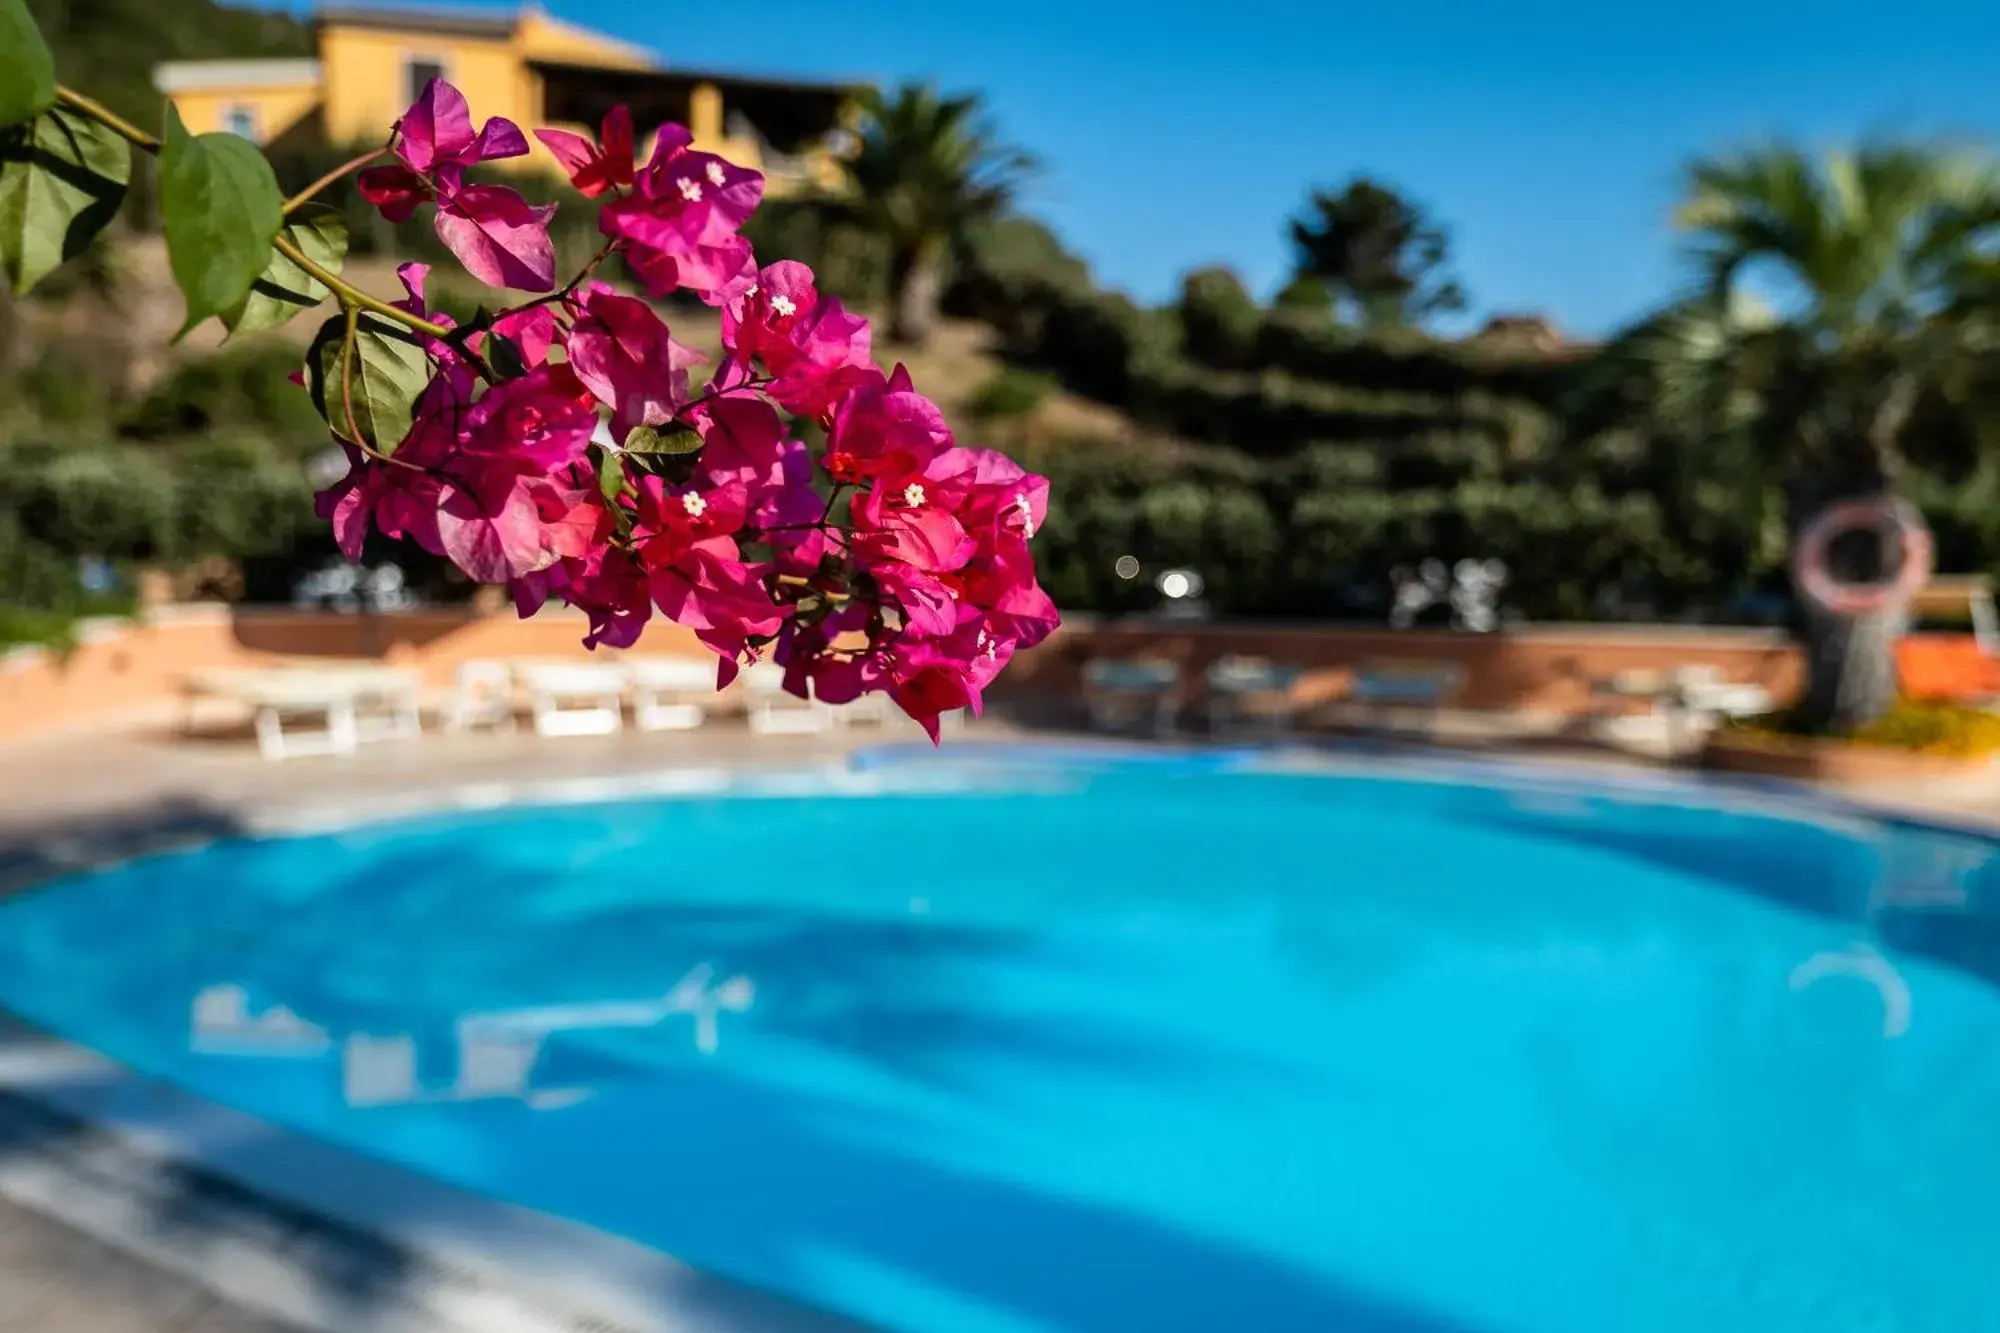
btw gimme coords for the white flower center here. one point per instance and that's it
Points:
(783, 305)
(750, 291)
(715, 173)
(690, 190)
(1027, 514)
(694, 504)
(913, 494)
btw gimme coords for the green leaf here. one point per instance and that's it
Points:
(27, 71)
(284, 289)
(504, 355)
(611, 476)
(387, 371)
(61, 180)
(220, 208)
(677, 438)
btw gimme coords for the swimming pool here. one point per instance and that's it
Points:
(1033, 1040)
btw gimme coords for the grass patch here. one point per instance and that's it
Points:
(22, 626)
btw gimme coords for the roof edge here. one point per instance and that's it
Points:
(188, 76)
(848, 87)
(459, 22)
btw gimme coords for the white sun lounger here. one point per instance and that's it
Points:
(482, 696)
(321, 718)
(670, 693)
(772, 711)
(387, 699)
(573, 698)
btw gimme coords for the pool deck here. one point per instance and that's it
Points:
(90, 1242)
(56, 1279)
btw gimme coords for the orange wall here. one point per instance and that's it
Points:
(133, 670)
(366, 79)
(367, 84)
(278, 109)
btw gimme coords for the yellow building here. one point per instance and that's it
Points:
(530, 68)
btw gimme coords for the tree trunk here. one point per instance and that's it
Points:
(918, 278)
(1850, 668)
(1851, 677)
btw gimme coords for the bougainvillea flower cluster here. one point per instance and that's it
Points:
(571, 449)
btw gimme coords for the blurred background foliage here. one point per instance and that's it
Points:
(1294, 450)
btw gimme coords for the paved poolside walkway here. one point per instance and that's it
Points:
(56, 1279)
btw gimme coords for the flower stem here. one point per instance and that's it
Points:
(347, 375)
(349, 296)
(293, 204)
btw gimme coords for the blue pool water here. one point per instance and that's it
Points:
(1166, 1047)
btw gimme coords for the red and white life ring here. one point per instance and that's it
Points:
(1817, 584)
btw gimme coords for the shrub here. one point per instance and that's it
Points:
(236, 496)
(1219, 318)
(846, 261)
(87, 499)
(1923, 726)
(1010, 392)
(244, 387)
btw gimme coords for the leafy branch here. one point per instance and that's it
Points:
(347, 294)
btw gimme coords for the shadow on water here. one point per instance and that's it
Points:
(763, 1184)
(1919, 890)
(33, 853)
(908, 997)
(772, 1212)
(1061, 1262)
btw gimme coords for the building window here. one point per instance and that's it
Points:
(421, 71)
(240, 120)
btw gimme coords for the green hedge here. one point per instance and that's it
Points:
(1317, 535)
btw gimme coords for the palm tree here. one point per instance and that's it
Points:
(927, 171)
(1840, 320)
(1381, 259)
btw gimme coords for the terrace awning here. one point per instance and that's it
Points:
(789, 114)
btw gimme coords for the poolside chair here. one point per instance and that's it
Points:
(574, 699)
(482, 696)
(661, 687)
(1250, 690)
(1129, 695)
(869, 710)
(1680, 706)
(387, 700)
(1387, 689)
(1708, 698)
(774, 711)
(301, 710)
(292, 713)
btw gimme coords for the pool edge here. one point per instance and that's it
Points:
(296, 1229)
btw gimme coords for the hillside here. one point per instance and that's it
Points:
(961, 360)
(108, 47)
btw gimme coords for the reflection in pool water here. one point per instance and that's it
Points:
(1101, 1047)
(496, 1052)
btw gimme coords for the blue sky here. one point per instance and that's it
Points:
(1548, 137)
